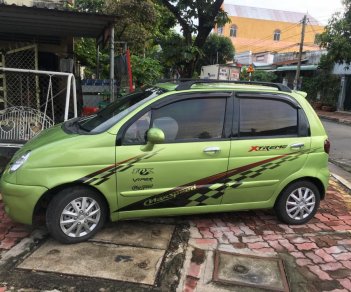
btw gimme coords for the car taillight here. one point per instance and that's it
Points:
(326, 146)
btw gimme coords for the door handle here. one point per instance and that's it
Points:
(212, 150)
(297, 146)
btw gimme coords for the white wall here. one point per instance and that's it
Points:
(342, 69)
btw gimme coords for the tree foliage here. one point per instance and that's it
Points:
(175, 52)
(137, 21)
(85, 51)
(147, 24)
(197, 19)
(257, 75)
(337, 36)
(323, 84)
(92, 6)
(217, 49)
(146, 71)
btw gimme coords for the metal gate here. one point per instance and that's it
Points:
(20, 90)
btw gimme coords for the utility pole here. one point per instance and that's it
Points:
(297, 77)
(112, 63)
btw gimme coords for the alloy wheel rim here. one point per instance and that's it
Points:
(80, 217)
(300, 203)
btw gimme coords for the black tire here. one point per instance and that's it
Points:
(285, 213)
(72, 199)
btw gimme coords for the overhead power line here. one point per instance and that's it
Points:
(248, 46)
(269, 36)
(275, 50)
(285, 39)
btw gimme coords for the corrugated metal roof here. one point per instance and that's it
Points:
(49, 25)
(266, 14)
(294, 68)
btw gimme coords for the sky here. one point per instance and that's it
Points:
(319, 9)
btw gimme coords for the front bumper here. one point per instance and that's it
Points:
(20, 200)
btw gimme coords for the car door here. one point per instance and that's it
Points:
(270, 142)
(181, 173)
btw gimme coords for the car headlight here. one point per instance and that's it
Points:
(19, 162)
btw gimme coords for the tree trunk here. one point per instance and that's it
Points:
(206, 19)
(188, 70)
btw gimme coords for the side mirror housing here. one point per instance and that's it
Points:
(153, 136)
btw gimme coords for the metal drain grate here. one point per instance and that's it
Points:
(250, 271)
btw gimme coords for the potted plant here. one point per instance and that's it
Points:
(317, 104)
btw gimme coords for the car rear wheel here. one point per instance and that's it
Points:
(75, 214)
(298, 203)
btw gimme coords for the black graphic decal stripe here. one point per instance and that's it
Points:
(102, 175)
(203, 189)
(92, 175)
(197, 192)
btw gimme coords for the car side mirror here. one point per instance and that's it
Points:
(153, 136)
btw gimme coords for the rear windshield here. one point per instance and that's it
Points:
(113, 113)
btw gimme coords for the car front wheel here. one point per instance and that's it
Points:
(298, 203)
(75, 214)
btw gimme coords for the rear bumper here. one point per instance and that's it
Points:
(20, 200)
(323, 175)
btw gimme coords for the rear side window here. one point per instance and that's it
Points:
(267, 118)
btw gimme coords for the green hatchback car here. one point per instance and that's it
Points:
(173, 149)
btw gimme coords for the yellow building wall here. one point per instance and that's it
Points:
(256, 35)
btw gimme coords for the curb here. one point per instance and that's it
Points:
(340, 174)
(337, 120)
(343, 181)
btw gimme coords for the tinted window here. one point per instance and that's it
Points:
(135, 134)
(262, 117)
(192, 119)
(115, 111)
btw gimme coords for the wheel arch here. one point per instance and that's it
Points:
(316, 181)
(46, 198)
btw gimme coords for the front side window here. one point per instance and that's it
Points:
(267, 118)
(136, 133)
(185, 120)
(276, 35)
(191, 119)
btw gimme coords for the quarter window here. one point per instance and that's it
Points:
(267, 118)
(191, 119)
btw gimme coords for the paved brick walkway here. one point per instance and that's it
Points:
(10, 232)
(321, 247)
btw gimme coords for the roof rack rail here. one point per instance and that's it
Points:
(188, 84)
(179, 80)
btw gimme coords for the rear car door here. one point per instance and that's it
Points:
(181, 173)
(271, 141)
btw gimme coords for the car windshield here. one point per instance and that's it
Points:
(117, 110)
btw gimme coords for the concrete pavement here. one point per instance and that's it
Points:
(343, 176)
(340, 139)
